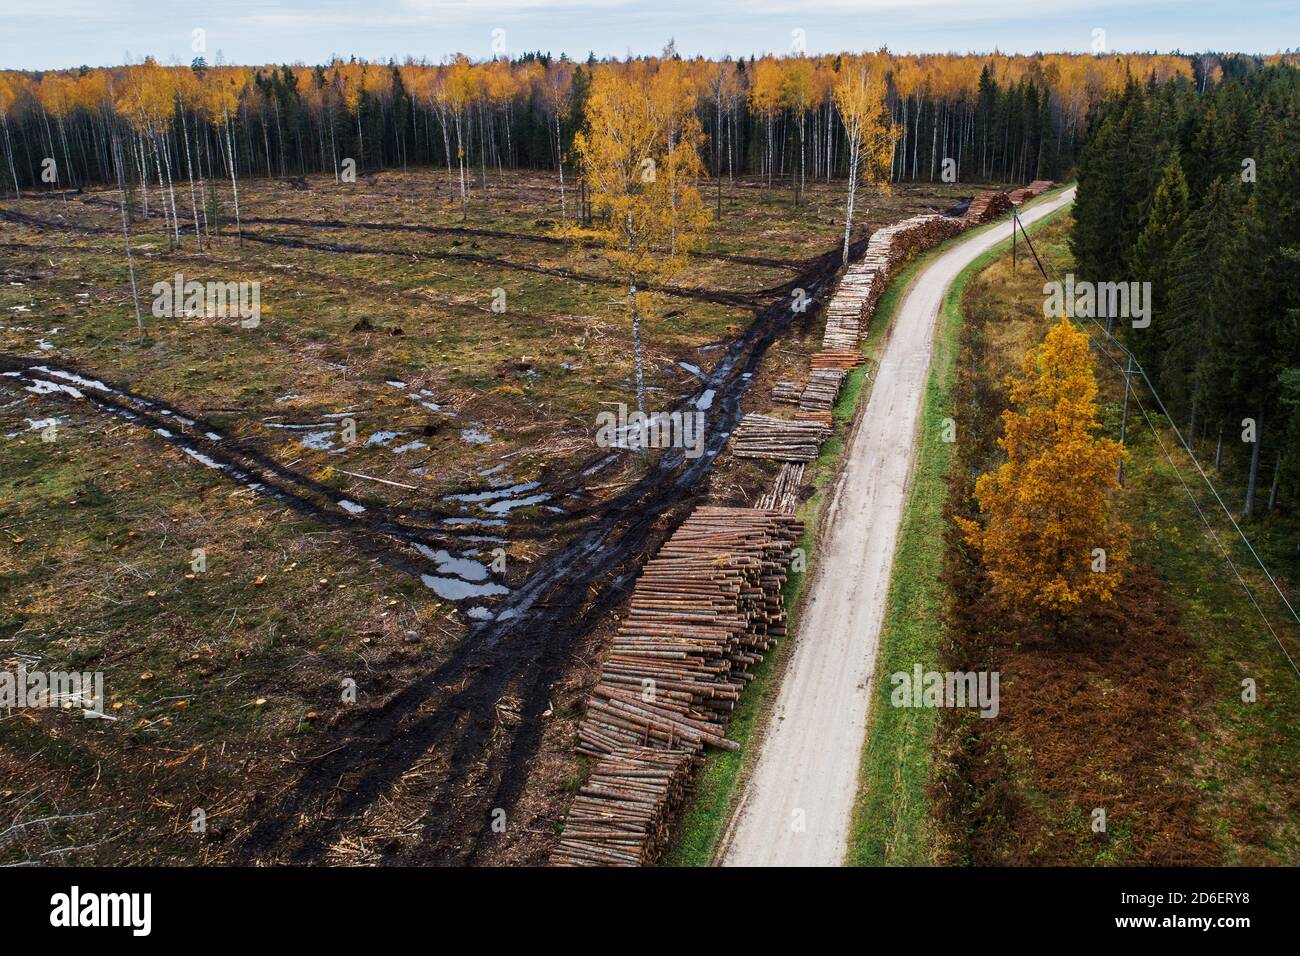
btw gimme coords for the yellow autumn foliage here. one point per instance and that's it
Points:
(1050, 539)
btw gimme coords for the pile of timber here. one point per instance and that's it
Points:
(1017, 196)
(837, 358)
(787, 392)
(621, 816)
(986, 206)
(703, 613)
(784, 496)
(850, 306)
(1040, 186)
(891, 245)
(781, 439)
(822, 389)
(825, 418)
(848, 314)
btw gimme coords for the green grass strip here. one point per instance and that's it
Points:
(892, 810)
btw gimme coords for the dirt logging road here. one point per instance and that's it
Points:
(796, 807)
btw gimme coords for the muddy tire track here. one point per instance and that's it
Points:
(743, 300)
(426, 229)
(735, 299)
(374, 531)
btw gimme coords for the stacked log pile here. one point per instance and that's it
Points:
(837, 358)
(622, 815)
(703, 613)
(1025, 193)
(784, 496)
(822, 389)
(849, 312)
(853, 301)
(823, 418)
(787, 393)
(781, 439)
(986, 206)
(891, 245)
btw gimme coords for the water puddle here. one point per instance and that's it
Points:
(454, 589)
(480, 496)
(448, 563)
(478, 522)
(505, 507)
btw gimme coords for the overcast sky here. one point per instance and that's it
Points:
(44, 34)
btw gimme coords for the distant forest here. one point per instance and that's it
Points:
(1000, 118)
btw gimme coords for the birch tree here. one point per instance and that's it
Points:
(647, 213)
(860, 99)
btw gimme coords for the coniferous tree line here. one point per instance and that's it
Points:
(999, 118)
(1194, 186)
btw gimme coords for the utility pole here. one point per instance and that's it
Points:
(1015, 218)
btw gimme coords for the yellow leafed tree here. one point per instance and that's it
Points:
(765, 100)
(860, 99)
(640, 152)
(1050, 540)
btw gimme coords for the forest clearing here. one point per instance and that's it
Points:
(472, 434)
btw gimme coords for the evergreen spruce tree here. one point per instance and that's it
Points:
(1152, 261)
